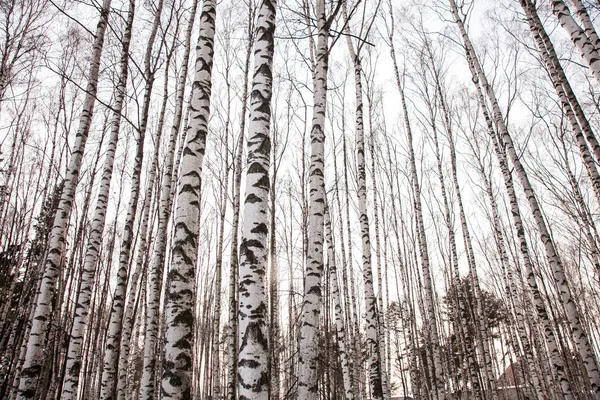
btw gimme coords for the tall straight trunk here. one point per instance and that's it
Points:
(116, 325)
(586, 21)
(275, 347)
(155, 270)
(481, 321)
(73, 361)
(558, 273)
(348, 306)
(353, 302)
(381, 309)
(562, 87)
(465, 345)
(253, 368)
(128, 236)
(32, 368)
(180, 298)
(431, 329)
(371, 307)
(342, 338)
(309, 319)
(511, 288)
(588, 51)
(216, 361)
(232, 357)
(129, 309)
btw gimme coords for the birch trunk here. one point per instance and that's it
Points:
(253, 368)
(128, 235)
(339, 315)
(588, 51)
(224, 178)
(580, 336)
(309, 319)
(120, 322)
(460, 305)
(32, 368)
(432, 335)
(128, 312)
(371, 312)
(156, 268)
(275, 347)
(232, 361)
(586, 21)
(73, 361)
(180, 298)
(562, 87)
(379, 298)
(511, 288)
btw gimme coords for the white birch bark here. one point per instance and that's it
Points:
(511, 288)
(339, 314)
(562, 86)
(121, 322)
(371, 306)
(156, 267)
(381, 329)
(73, 360)
(574, 102)
(273, 284)
(253, 368)
(460, 305)
(309, 319)
(180, 298)
(128, 234)
(579, 334)
(586, 21)
(33, 364)
(128, 309)
(588, 51)
(431, 330)
(232, 358)
(224, 186)
(551, 338)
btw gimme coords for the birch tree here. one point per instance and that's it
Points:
(252, 309)
(232, 361)
(180, 298)
(42, 314)
(309, 320)
(578, 36)
(371, 313)
(73, 361)
(580, 336)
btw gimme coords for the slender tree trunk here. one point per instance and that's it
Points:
(371, 312)
(73, 361)
(432, 335)
(180, 299)
(224, 179)
(309, 319)
(253, 344)
(586, 21)
(232, 363)
(562, 87)
(339, 315)
(511, 288)
(480, 79)
(36, 352)
(588, 51)
(274, 341)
